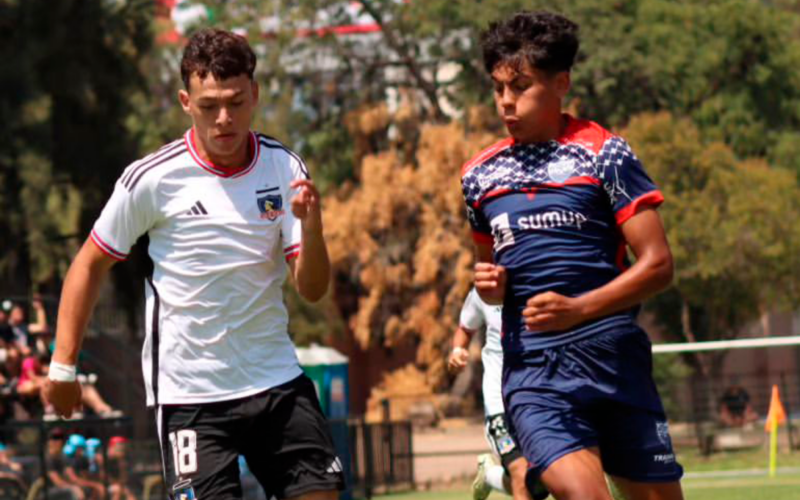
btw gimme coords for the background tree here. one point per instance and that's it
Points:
(734, 229)
(67, 70)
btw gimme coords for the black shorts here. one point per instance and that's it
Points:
(281, 432)
(500, 439)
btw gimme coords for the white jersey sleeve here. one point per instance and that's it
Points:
(472, 317)
(291, 228)
(129, 213)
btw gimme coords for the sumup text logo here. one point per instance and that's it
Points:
(554, 218)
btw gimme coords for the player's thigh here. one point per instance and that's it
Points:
(633, 490)
(299, 458)
(199, 448)
(577, 476)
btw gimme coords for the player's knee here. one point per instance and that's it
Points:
(517, 473)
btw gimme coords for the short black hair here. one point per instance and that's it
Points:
(548, 41)
(219, 52)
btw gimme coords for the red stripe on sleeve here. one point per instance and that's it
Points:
(651, 199)
(291, 248)
(106, 248)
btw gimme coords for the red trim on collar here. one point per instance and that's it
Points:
(220, 171)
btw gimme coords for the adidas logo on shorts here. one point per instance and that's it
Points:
(335, 467)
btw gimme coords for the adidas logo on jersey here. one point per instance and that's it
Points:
(197, 209)
(335, 467)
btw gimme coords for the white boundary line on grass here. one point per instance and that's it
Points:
(726, 344)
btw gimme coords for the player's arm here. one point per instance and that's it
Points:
(78, 298)
(490, 279)
(651, 273)
(311, 268)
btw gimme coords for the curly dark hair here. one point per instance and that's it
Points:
(219, 52)
(548, 41)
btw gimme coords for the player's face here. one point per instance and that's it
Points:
(221, 111)
(529, 101)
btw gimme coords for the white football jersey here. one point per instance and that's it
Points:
(216, 325)
(476, 315)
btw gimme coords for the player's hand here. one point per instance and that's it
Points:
(306, 203)
(490, 281)
(64, 396)
(457, 360)
(550, 311)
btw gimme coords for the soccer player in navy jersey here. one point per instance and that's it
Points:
(553, 209)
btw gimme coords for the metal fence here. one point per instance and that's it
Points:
(29, 441)
(377, 458)
(729, 412)
(381, 457)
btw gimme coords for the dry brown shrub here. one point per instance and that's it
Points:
(401, 248)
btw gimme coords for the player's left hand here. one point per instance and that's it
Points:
(550, 311)
(306, 203)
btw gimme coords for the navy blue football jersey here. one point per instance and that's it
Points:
(552, 212)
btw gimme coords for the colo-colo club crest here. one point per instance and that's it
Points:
(270, 206)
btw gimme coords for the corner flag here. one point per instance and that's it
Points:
(776, 411)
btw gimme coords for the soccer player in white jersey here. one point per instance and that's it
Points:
(509, 477)
(225, 210)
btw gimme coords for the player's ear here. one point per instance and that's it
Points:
(254, 87)
(183, 98)
(563, 82)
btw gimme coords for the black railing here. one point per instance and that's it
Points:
(376, 457)
(730, 411)
(381, 457)
(29, 442)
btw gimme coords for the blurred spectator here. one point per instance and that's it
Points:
(33, 375)
(31, 380)
(8, 469)
(56, 466)
(24, 331)
(735, 408)
(77, 470)
(92, 399)
(6, 333)
(118, 467)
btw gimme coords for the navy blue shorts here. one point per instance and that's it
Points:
(597, 391)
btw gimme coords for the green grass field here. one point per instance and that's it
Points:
(786, 486)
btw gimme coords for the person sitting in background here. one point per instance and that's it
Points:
(6, 333)
(77, 470)
(117, 469)
(32, 379)
(24, 331)
(735, 409)
(56, 466)
(8, 469)
(29, 386)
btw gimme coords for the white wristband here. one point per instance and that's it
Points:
(62, 373)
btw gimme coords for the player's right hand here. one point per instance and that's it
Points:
(490, 282)
(64, 396)
(457, 360)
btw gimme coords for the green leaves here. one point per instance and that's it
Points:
(733, 225)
